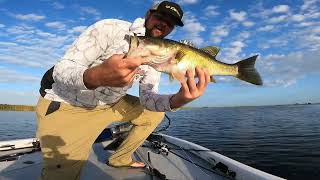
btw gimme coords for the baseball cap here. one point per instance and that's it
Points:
(170, 8)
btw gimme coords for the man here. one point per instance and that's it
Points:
(86, 91)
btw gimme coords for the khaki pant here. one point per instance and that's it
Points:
(67, 133)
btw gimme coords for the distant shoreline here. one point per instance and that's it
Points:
(297, 104)
(9, 107)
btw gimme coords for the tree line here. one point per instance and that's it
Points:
(9, 107)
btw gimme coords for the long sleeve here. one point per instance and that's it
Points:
(95, 45)
(81, 55)
(148, 92)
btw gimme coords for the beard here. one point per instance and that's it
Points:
(154, 31)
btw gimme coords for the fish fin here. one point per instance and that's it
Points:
(178, 75)
(212, 79)
(130, 37)
(187, 42)
(133, 43)
(180, 55)
(212, 50)
(171, 77)
(247, 72)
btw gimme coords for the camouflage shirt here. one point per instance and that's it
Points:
(96, 44)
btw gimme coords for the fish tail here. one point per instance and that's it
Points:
(247, 72)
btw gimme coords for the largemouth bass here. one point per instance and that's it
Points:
(175, 58)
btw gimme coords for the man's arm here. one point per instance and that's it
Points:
(80, 56)
(76, 69)
(115, 72)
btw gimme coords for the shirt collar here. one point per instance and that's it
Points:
(137, 27)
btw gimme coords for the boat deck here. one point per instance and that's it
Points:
(159, 166)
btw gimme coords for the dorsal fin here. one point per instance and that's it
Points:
(187, 42)
(212, 50)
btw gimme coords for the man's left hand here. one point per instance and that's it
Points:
(190, 90)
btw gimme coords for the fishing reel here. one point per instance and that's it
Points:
(161, 147)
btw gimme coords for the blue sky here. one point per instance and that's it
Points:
(286, 35)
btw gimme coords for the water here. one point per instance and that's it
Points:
(281, 140)
(17, 125)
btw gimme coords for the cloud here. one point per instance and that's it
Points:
(22, 29)
(2, 25)
(278, 70)
(193, 28)
(56, 25)
(308, 4)
(8, 44)
(238, 16)
(304, 24)
(298, 17)
(313, 15)
(193, 24)
(210, 11)
(278, 19)
(241, 17)
(29, 17)
(11, 76)
(18, 60)
(266, 28)
(232, 52)
(57, 5)
(281, 9)
(307, 38)
(218, 33)
(43, 34)
(91, 11)
(244, 35)
(295, 32)
(77, 29)
(248, 23)
(310, 41)
(29, 46)
(316, 30)
(274, 15)
(276, 42)
(182, 2)
(286, 70)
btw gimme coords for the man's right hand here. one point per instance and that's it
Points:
(116, 71)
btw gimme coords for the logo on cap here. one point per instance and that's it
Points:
(173, 9)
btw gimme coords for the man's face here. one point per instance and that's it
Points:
(158, 24)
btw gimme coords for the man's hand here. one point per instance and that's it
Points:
(190, 90)
(116, 71)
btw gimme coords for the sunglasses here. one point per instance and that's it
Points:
(163, 18)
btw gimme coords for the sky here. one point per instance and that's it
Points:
(285, 34)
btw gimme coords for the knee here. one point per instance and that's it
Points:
(156, 117)
(149, 118)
